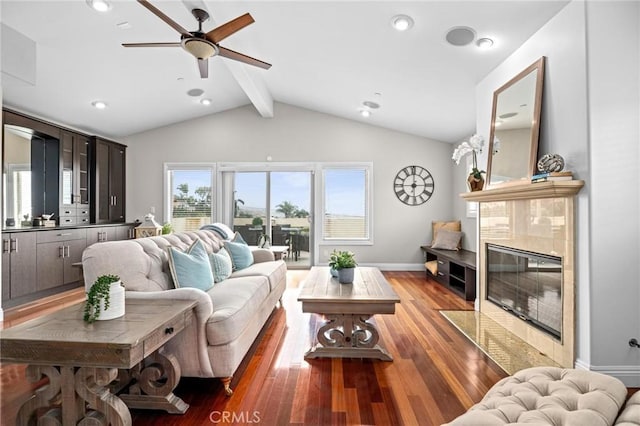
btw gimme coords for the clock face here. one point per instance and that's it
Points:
(413, 185)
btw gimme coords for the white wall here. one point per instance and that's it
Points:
(613, 47)
(590, 116)
(299, 135)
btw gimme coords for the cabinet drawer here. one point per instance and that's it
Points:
(68, 220)
(83, 211)
(163, 334)
(443, 266)
(61, 235)
(66, 211)
(80, 220)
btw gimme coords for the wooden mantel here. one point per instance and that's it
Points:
(526, 191)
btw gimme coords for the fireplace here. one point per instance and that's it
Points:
(531, 220)
(526, 284)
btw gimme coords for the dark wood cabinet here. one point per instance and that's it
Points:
(108, 186)
(74, 179)
(18, 265)
(57, 251)
(109, 233)
(454, 269)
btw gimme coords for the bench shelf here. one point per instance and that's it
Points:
(456, 270)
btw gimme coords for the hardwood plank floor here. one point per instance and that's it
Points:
(436, 374)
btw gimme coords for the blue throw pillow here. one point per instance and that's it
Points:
(241, 255)
(221, 265)
(238, 239)
(191, 268)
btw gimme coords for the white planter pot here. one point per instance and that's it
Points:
(345, 275)
(116, 303)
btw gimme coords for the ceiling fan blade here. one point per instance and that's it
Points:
(151, 44)
(218, 34)
(228, 53)
(165, 18)
(203, 65)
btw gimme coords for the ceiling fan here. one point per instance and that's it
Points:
(204, 45)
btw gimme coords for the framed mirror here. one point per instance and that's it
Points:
(515, 127)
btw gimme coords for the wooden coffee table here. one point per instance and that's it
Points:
(347, 307)
(88, 364)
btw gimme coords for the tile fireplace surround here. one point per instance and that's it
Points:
(538, 218)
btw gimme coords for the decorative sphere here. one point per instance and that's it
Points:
(551, 163)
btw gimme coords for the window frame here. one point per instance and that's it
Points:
(167, 190)
(367, 167)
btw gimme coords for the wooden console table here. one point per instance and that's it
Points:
(456, 270)
(98, 371)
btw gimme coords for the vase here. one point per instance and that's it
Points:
(116, 303)
(345, 275)
(474, 183)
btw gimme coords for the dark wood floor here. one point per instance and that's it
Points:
(435, 376)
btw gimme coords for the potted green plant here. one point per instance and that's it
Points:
(106, 294)
(344, 263)
(167, 228)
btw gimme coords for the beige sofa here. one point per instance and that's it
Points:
(555, 396)
(229, 316)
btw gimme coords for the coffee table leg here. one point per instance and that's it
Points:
(155, 379)
(348, 336)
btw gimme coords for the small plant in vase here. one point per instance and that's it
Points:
(344, 263)
(99, 299)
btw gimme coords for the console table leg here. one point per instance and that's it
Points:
(155, 379)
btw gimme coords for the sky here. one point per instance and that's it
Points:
(345, 187)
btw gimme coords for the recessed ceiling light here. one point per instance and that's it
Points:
(205, 101)
(371, 104)
(365, 113)
(402, 22)
(484, 43)
(99, 104)
(99, 5)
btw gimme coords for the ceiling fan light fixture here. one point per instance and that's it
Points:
(201, 49)
(99, 5)
(99, 104)
(402, 22)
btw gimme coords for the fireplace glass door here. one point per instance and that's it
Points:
(529, 285)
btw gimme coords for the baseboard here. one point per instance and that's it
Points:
(628, 374)
(396, 266)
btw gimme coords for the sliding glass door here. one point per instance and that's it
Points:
(275, 206)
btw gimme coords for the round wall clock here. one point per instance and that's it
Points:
(413, 185)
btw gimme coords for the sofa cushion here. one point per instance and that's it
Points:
(221, 265)
(240, 254)
(190, 268)
(549, 396)
(235, 301)
(630, 415)
(275, 271)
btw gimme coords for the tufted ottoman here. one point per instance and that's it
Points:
(549, 396)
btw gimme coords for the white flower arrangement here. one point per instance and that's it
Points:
(474, 145)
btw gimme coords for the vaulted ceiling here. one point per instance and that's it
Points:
(327, 56)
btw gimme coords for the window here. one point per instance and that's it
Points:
(189, 195)
(346, 203)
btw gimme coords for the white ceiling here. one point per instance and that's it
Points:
(326, 56)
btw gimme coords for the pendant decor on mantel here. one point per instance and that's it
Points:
(474, 183)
